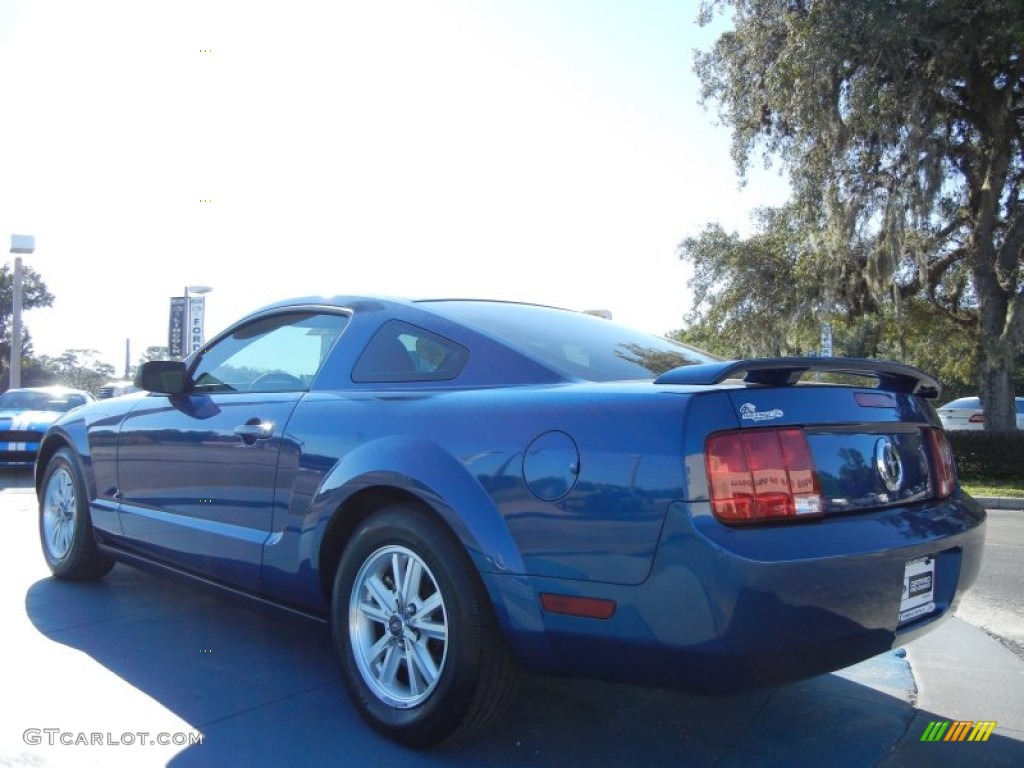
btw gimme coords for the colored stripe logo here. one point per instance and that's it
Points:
(958, 730)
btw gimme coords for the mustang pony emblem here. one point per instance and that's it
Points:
(888, 464)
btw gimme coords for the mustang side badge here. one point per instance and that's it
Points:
(748, 411)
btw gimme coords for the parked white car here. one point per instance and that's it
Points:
(966, 413)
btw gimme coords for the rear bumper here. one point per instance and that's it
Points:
(729, 609)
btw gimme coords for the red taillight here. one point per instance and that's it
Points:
(765, 474)
(977, 418)
(942, 460)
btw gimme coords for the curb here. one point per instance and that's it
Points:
(993, 691)
(999, 502)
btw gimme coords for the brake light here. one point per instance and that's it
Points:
(942, 460)
(765, 474)
(977, 418)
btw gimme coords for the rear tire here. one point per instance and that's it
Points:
(422, 657)
(65, 528)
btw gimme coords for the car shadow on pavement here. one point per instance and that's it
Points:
(264, 689)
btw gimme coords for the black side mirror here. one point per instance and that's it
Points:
(167, 377)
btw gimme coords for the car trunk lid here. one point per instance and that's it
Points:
(811, 448)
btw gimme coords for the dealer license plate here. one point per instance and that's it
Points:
(918, 589)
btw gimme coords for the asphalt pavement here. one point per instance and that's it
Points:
(96, 674)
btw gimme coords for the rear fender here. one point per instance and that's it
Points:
(405, 463)
(393, 469)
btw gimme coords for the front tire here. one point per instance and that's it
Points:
(65, 529)
(421, 654)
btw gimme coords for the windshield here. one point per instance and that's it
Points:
(40, 401)
(576, 345)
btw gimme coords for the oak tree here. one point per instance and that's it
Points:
(901, 125)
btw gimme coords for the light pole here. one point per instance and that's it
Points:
(195, 310)
(20, 244)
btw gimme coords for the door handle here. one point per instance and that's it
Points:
(258, 430)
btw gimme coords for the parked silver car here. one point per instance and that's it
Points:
(966, 413)
(116, 389)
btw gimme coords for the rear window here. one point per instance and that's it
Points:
(574, 344)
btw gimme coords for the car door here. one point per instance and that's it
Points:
(197, 471)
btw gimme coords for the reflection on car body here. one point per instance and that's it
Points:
(464, 489)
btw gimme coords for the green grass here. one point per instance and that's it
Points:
(1003, 488)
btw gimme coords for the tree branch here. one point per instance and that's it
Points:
(1010, 256)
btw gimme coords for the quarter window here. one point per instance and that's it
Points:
(279, 353)
(403, 352)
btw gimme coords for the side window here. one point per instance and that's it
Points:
(403, 352)
(279, 353)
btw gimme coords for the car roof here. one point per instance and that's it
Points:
(436, 306)
(495, 325)
(354, 301)
(964, 402)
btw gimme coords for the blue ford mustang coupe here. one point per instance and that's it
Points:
(465, 489)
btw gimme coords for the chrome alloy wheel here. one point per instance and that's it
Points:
(59, 504)
(398, 626)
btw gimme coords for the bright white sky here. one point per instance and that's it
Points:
(536, 150)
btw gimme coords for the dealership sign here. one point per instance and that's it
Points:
(176, 328)
(197, 306)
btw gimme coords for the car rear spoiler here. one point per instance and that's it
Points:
(786, 371)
